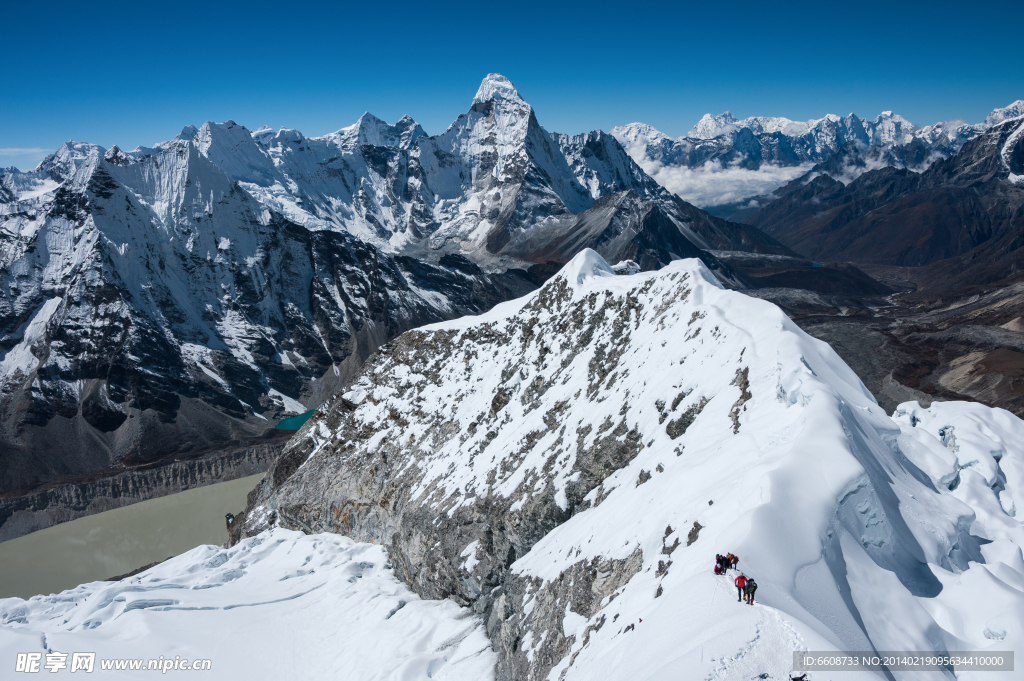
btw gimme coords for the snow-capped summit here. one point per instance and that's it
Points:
(373, 131)
(233, 149)
(635, 133)
(496, 87)
(1014, 110)
(711, 126)
(65, 162)
(891, 129)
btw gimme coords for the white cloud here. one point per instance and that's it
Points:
(713, 184)
(20, 155)
(22, 151)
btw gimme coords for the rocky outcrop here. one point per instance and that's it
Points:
(20, 515)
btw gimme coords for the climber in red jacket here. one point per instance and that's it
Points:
(741, 583)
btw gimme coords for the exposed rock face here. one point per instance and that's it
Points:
(21, 515)
(552, 464)
(465, 547)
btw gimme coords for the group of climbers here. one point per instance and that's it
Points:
(745, 586)
(723, 563)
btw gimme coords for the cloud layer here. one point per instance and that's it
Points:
(713, 184)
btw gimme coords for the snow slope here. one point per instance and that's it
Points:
(569, 463)
(280, 606)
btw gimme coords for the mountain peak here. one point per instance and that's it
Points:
(711, 126)
(369, 119)
(66, 161)
(1005, 113)
(496, 87)
(377, 132)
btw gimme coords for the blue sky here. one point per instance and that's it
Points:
(134, 73)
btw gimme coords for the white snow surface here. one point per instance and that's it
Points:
(19, 361)
(282, 605)
(291, 405)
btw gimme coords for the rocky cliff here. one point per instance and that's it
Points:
(60, 503)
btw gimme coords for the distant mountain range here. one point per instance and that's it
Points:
(723, 161)
(166, 301)
(961, 221)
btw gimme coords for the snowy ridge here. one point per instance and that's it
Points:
(332, 604)
(1006, 154)
(601, 439)
(373, 131)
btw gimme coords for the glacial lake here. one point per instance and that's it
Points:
(116, 542)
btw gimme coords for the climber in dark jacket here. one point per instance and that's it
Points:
(741, 584)
(749, 590)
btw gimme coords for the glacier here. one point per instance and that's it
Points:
(282, 605)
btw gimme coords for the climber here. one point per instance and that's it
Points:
(741, 583)
(749, 589)
(732, 561)
(719, 565)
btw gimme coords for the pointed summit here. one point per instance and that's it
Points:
(376, 132)
(711, 126)
(498, 88)
(1005, 113)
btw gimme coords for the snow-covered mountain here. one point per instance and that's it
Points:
(168, 300)
(567, 465)
(494, 186)
(152, 306)
(723, 160)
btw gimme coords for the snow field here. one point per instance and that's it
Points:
(283, 605)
